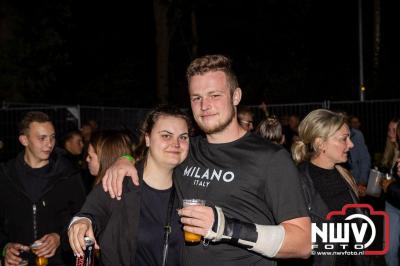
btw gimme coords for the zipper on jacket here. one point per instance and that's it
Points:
(34, 211)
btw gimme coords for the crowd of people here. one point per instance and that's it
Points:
(263, 184)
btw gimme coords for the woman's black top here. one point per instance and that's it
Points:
(150, 238)
(335, 192)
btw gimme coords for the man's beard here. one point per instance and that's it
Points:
(220, 127)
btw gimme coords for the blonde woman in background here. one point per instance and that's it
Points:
(391, 152)
(324, 143)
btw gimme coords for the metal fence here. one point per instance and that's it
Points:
(374, 116)
(65, 119)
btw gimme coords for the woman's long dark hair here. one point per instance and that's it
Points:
(109, 145)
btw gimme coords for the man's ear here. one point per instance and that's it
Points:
(23, 140)
(237, 96)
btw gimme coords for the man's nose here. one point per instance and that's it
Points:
(48, 142)
(205, 104)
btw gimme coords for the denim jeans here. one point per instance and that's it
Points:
(392, 257)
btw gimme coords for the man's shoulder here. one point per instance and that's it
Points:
(261, 145)
(8, 173)
(260, 140)
(65, 177)
(356, 134)
(8, 167)
(3, 170)
(62, 164)
(249, 139)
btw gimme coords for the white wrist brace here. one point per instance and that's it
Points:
(266, 240)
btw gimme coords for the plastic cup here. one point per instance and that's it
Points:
(374, 188)
(40, 261)
(191, 237)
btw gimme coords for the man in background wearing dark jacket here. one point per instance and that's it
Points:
(39, 193)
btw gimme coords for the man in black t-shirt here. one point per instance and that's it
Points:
(252, 180)
(258, 211)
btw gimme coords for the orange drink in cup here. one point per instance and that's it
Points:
(191, 237)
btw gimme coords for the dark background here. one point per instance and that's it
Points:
(103, 53)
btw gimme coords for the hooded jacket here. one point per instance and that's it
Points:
(24, 219)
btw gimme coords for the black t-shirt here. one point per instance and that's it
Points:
(251, 179)
(335, 193)
(331, 186)
(34, 180)
(150, 238)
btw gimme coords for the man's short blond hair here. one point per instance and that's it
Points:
(212, 63)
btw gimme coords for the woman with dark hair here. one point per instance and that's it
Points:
(104, 148)
(144, 225)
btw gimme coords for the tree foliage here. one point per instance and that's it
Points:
(34, 51)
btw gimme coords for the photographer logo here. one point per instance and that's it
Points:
(351, 231)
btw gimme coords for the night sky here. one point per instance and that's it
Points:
(104, 53)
